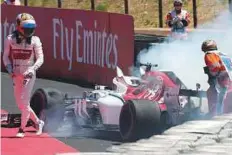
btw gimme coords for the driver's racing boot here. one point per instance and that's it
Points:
(20, 133)
(40, 127)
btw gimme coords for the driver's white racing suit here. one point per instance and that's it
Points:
(21, 59)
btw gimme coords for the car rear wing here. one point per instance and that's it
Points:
(177, 91)
(171, 95)
(193, 93)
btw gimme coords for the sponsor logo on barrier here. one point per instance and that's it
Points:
(78, 44)
(6, 28)
(98, 46)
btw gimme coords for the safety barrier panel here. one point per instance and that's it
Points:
(78, 44)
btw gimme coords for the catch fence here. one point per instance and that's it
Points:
(146, 13)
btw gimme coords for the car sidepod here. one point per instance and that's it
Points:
(110, 107)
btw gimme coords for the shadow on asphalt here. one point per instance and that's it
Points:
(71, 132)
(14, 122)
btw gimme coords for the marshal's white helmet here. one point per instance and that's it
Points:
(177, 2)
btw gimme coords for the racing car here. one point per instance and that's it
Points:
(137, 107)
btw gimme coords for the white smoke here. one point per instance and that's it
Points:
(185, 58)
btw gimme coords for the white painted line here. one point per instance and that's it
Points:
(89, 153)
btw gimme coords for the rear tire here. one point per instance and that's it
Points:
(47, 104)
(140, 119)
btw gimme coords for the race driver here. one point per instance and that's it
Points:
(218, 77)
(178, 19)
(23, 55)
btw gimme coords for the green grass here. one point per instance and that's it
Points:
(145, 12)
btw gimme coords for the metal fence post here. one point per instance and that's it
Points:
(59, 3)
(230, 5)
(92, 4)
(160, 13)
(195, 13)
(126, 6)
(25, 2)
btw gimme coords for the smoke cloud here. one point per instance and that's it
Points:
(185, 58)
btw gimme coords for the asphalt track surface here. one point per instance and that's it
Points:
(82, 140)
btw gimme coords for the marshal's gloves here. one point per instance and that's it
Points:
(175, 20)
(179, 24)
